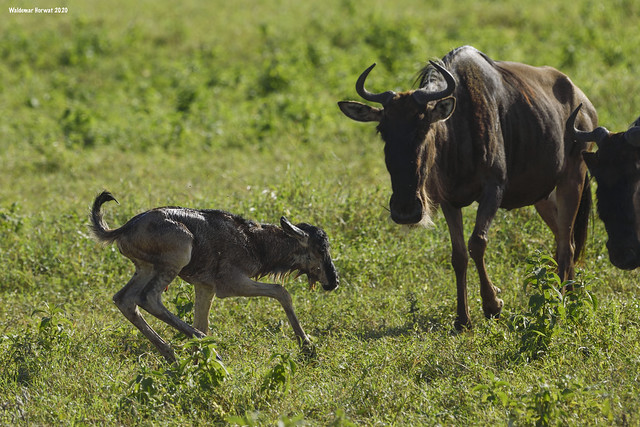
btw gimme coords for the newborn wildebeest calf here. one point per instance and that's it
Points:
(218, 253)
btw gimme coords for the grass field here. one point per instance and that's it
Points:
(232, 105)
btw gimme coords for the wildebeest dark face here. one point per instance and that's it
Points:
(616, 168)
(404, 123)
(404, 126)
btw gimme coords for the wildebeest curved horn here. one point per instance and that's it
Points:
(381, 98)
(422, 96)
(597, 135)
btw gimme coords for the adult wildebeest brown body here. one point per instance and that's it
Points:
(492, 132)
(219, 253)
(616, 168)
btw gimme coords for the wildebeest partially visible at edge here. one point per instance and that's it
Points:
(486, 131)
(616, 169)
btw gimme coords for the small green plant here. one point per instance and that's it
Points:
(279, 376)
(182, 383)
(201, 366)
(413, 312)
(539, 323)
(30, 351)
(495, 391)
(549, 311)
(54, 328)
(542, 404)
(183, 301)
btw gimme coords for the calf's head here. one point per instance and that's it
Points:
(404, 121)
(314, 260)
(616, 168)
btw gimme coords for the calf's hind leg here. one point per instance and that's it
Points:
(127, 300)
(151, 301)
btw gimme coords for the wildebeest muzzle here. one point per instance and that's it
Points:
(624, 255)
(405, 210)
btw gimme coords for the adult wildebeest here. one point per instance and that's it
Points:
(492, 132)
(218, 253)
(616, 168)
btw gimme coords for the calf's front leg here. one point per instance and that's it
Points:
(202, 306)
(242, 286)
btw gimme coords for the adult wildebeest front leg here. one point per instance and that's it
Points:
(241, 286)
(459, 261)
(487, 209)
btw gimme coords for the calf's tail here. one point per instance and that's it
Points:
(99, 227)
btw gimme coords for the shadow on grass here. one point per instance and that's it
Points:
(416, 323)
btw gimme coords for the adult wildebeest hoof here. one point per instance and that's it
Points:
(462, 325)
(493, 312)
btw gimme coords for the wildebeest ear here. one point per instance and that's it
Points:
(591, 159)
(633, 136)
(360, 112)
(293, 231)
(443, 109)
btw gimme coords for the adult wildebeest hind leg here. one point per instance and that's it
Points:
(572, 240)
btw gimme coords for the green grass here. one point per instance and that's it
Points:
(232, 105)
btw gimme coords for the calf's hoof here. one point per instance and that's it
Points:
(308, 350)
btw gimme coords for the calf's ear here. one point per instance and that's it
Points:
(293, 230)
(443, 109)
(360, 112)
(591, 159)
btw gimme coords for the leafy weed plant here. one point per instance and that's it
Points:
(185, 383)
(549, 312)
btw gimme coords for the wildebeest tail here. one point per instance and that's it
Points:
(99, 227)
(581, 224)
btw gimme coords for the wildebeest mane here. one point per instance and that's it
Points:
(428, 75)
